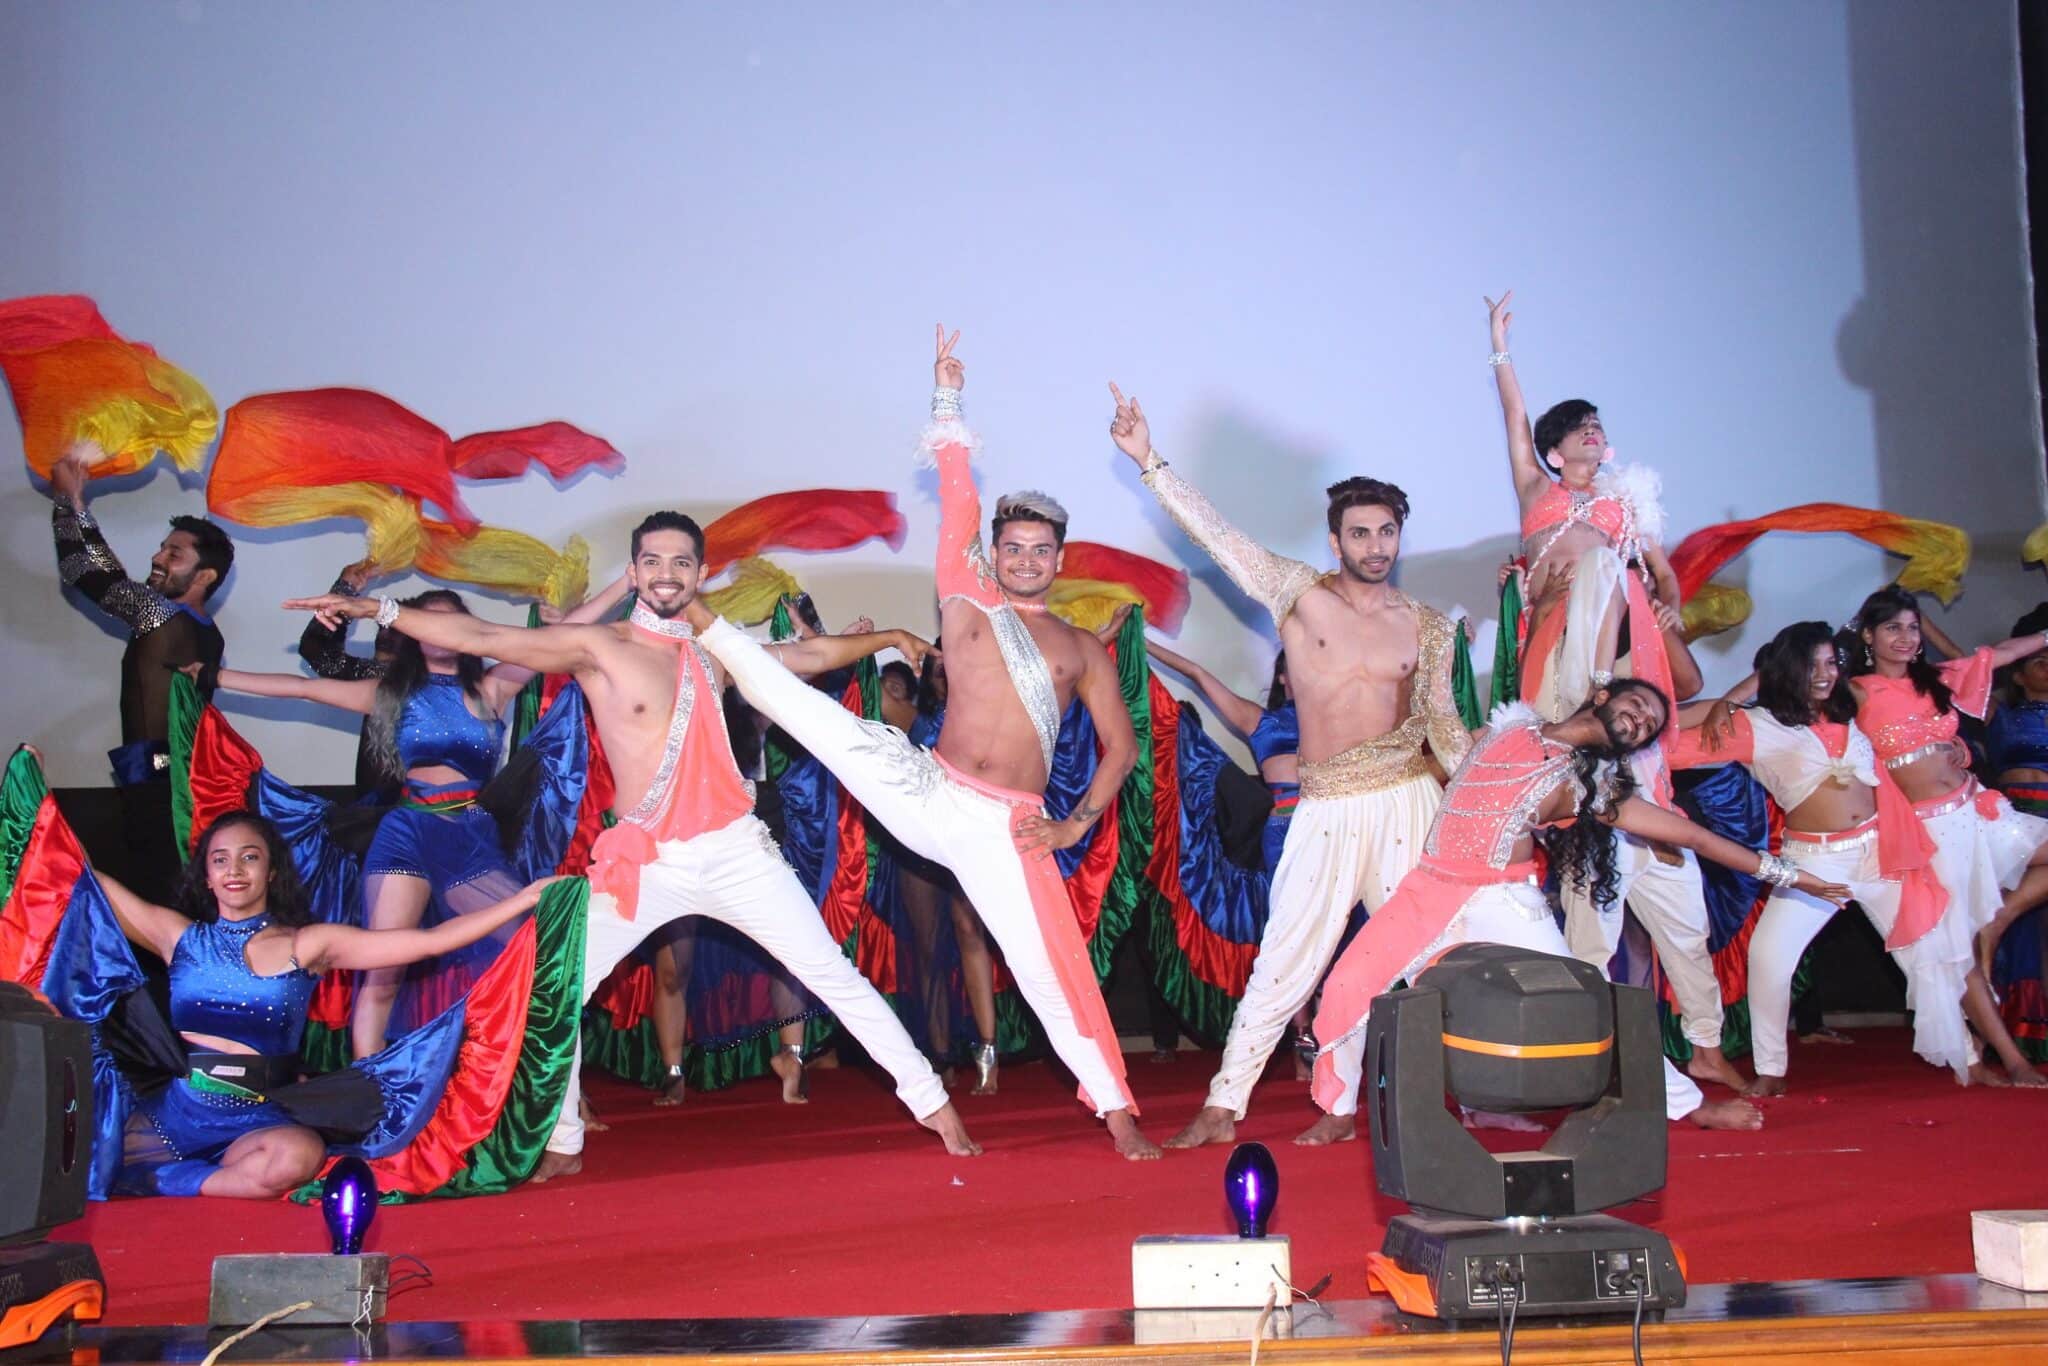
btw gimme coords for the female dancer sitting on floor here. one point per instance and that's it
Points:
(1986, 854)
(435, 726)
(243, 963)
(1846, 821)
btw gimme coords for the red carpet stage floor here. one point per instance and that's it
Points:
(736, 1205)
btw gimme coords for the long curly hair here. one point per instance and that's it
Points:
(1584, 852)
(286, 898)
(1877, 609)
(405, 675)
(1783, 670)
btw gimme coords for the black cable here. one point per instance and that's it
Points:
(1642, 1285)
(1506, 1301)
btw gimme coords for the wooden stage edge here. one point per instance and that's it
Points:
(1915, 1321)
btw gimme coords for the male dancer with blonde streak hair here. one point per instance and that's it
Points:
(1371, 669)
(691, 845)
(976, 803)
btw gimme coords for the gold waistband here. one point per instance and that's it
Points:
(1370, 767)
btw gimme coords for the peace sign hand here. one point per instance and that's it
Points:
(948, 373)
(1498, 318)
(1129, 429)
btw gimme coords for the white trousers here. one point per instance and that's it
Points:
(1670, 903)
(1788, 923)
(944, 820)
(1339, 852)
(738, 876)
(1516, 914)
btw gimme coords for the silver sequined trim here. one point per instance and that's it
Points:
(1030, 675)
(671, 750)
(142, 608)
(907, 767)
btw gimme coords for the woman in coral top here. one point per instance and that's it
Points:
(1985, 853)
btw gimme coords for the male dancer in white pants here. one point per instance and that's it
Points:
(1371, 670)
(975, 803)
(691, 845)
(1477, 881)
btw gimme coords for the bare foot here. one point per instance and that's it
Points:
(589, 1114)
(1727, 1114)
(1765, 1086)
(2025, 1075)
(1711, 1064)
(789, 1066)
(554, 1164)
(1123, 1129)
(671, 1094)
(1499, 1119)
(1826, 1035)
(1327, 1130)
(1984, 1074)
(945, 1122)
(1211, 1124)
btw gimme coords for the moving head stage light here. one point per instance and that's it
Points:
(1506, 1029)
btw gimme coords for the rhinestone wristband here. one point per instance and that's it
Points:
(1497, 358)
(387, 611)
(1779, 872)
(945, 403)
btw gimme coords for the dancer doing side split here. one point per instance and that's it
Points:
(168, 629)
(1986, 855)
(243, 962)
(691, 844)
(976, 803)
(1598, 579)
(1477, 882)
(1371, 672)
(1845, 821)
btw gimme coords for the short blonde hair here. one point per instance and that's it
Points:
(1029, 505)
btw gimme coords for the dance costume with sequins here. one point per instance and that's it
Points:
(1359, 823)
(1465, 890)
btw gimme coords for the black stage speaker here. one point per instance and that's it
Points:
(45, 1116)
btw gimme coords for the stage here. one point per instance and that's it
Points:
(738, 1207)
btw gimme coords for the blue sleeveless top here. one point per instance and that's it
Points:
(213, 990)
(2018, 737)
(437, 727)
(924, 731)
(1278, 733)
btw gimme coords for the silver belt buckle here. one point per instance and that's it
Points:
(159, 762)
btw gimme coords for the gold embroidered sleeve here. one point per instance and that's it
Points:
(1436, 649)
(1273, 581)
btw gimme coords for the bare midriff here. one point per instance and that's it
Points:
(987, 733)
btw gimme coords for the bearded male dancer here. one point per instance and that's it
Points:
(1371, 671)
(691, 845)
(975, 802)
(1477, 881)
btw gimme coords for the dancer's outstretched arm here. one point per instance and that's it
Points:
(1273, 581)
(544, 649)
(815, 655)
(1653, 823)
(357, 695)
(154, 927)
(1241, 714)
(1524, 460)
(326, 948)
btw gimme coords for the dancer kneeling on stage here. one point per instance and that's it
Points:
(244, 957)
(1477, 881)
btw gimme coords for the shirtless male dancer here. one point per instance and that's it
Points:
(976, 802)
(1371, 670)
(691, 845)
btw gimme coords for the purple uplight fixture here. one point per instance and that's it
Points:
(348, 1203)
(1251, 1186)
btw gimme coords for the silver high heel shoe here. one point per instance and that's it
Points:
(984, 1070)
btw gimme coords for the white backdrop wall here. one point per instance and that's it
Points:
(1781, 246)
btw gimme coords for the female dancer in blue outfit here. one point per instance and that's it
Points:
(436, 726)
(2016, 747)
(243, 962)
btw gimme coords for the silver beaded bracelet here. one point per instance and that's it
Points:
(1497, 359)
(387, 611)
(1779, 872)
(945, 403)
(1154, 462)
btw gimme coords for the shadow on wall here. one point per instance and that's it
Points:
(1947, 355)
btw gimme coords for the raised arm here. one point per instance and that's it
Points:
(359, 695)
(324, 646)
(814, 655)
(1659, 826)
(329, 948)
(1241, 714)
(154, 927)
(1524, 460)
(1686, 678)
(2006, 651)
(1275, 582)
(962, 569)
(84, 559)
(1101, 691)
(544, 649)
